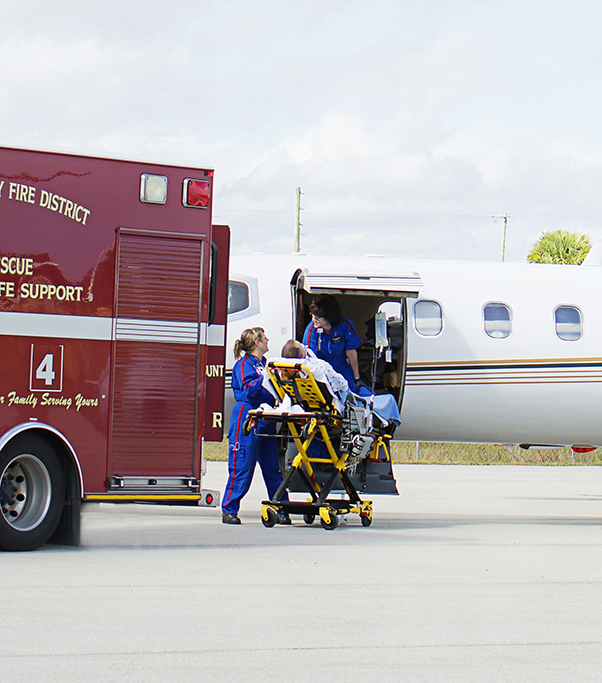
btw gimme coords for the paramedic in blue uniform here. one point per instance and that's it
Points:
(245, 451)
(333, 338)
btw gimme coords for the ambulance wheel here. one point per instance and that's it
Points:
(366, 521)
(32, 493)
(272, 518)
(333, 524)
(309, 519)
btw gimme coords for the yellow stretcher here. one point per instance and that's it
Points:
(346, 438)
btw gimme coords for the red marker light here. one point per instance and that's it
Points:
(583, 449)
(197, 193)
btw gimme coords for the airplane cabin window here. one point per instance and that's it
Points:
(238, 296)
(568, 323)
(428, 318)
(497, 321)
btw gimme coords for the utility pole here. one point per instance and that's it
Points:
(298, 223)
(505, 216)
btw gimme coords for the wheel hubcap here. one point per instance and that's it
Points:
(25, 492)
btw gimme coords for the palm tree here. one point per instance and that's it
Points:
(560, 246)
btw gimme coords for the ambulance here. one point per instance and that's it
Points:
(113, 303)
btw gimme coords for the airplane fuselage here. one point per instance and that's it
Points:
(496, 353)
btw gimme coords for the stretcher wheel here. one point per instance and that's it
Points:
(272, 518)
(366, 521)
(333, 524)
(309, 519)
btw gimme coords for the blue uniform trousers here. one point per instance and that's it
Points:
(244, 453)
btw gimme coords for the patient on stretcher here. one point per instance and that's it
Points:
(320, 369)
(330, 437)
(384, 405)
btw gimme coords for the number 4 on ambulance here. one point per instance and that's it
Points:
(46, 371)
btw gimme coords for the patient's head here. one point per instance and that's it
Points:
(293, 349)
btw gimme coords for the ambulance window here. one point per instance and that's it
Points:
(428, 318)
(568, 323)
(496, 318)
(238, 296)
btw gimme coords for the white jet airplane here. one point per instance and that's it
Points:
(480, 352)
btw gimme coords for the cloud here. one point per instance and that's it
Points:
(406, 124)
(438, 199)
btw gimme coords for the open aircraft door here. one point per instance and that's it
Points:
(361, 296)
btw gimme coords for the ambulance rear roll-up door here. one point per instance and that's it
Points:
(156, 359)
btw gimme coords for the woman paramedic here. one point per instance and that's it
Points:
(333, 338)
(245, 451)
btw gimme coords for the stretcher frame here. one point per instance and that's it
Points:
(318, 416)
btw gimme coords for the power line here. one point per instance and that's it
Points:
(360, 213)
(399, 215)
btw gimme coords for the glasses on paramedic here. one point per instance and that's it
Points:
(320, 323)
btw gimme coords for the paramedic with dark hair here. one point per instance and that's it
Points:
(333, 338)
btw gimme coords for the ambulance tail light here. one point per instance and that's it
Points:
(583, 449)
(209, 499)
(197, 193)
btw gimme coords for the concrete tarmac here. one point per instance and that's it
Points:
(484, 574)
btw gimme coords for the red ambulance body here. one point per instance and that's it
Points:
(113, 296)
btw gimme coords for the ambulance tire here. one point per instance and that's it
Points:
(32, 493)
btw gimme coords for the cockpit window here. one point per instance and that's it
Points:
(243, 297)
(568, 323)
(497, 320)
(428, 318)
(238, 296)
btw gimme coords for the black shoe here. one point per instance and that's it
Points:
(230, 518)
(283, 518)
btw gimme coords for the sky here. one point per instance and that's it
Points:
(407, 124)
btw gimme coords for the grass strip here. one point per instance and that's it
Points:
(427, 453)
